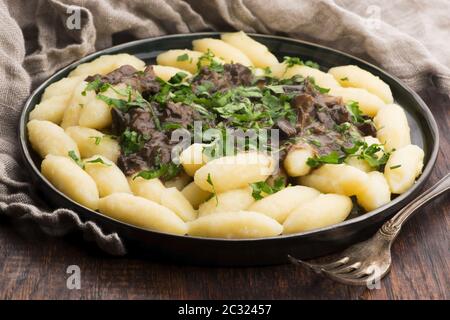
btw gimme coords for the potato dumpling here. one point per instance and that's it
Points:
(336, 178)
(63, 87)
(403, 167)
(234, 172)
(192, 158)
(142, 213)
(195, 195)
(95, 113)
(48, 138)
(51, 109)
(235, 225)
(228, 201)
(392, 127)
(295, 161)
(108, 177)
(321, 78)
(107, 63)
(151, 189)
(79, 99)
(222, 50)
(91, 142)
(376, 193)
(354, 76)
(184, 59)
(66, 176)
(166, 72)
(369, 104)
(280, 204)
(258, 53)
(173, 199)
(322, 211)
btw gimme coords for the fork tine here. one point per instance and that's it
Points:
(318, 267)
(346, 268)
(346, 279)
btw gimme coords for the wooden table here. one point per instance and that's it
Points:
(33, 266)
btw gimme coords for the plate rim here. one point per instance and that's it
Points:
(425, 111)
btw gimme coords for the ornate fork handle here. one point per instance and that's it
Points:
(391, 228)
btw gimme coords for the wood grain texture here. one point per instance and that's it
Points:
(33, 266)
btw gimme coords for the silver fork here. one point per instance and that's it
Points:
(370, 260)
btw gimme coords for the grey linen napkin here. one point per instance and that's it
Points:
(408, 38)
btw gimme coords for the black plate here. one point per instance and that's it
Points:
(197, 250)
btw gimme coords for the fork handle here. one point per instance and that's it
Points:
(391, 228)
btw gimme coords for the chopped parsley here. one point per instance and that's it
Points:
(331, 158)
(262, 188)
(72, 154)
(214, 193)
(355, 112)
(292, 61)
(99, 160)
(131, 142)
(166, 171)
(183, 57)
(395, 167)
(97, 139)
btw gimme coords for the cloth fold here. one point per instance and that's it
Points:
(405, 37)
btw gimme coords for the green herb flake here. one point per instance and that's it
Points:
(344, 79)
(98, 139)
(395, 167)
(99, 160)
(262, 188)
(183, 57)
(331, 158)
(166, 171)
(210, 182)
(72, 154)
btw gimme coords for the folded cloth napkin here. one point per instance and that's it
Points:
(408, 38)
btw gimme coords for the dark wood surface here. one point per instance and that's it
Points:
(33, 266)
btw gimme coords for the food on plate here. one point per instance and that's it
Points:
(224, 140)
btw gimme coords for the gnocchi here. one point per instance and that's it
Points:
(173, 199)
(92, 142)
(321, 211)
(403, 167)
(228, 201)
(233, 172)
(184, 59)
(336, 178)
(48, 138)
(354, 76)
(280, 204)
(67, 177)
(392, 127)
(105, 64)
(258, 53)
(235, 225)
(142, 213)
(222, 50)
(108, 177)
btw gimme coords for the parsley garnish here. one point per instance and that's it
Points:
(210, 182)
(166, 171)
(75, 158)
(99, 160)
(332, 158)
(292, 61)
(262, 188)
(396, 166)
(183, 57)
(178, 78)
(98, 139)
(356, 114)
(131, 142)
